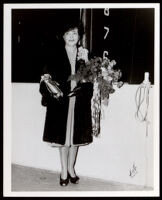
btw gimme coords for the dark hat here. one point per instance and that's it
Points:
(69, 24)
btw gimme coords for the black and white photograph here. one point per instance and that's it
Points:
(81, 99)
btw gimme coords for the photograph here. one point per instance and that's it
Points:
(81, 99)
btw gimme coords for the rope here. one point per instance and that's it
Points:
(141, 97)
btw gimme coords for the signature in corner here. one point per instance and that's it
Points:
(133, 171)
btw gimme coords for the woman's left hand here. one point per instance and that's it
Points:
(81, 89)
(74, 92)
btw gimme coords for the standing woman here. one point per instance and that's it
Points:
(68, 118)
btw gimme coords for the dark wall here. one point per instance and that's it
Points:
(130, 40)
(34, 35)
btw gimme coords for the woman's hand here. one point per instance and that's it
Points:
(82, 89)
(45, 77)
(74, 92)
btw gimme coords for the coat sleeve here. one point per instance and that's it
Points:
(44, 91)
(48, 69)
(84, 90)
(46, 95)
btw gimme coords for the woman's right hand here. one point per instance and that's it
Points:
(45, 77)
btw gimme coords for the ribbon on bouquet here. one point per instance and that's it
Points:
(96, 110)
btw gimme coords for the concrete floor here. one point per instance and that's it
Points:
(32, 179)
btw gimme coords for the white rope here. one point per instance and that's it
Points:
(141, 97)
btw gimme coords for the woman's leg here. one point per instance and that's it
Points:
(73, 150)
(64, 161)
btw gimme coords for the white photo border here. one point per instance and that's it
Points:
(7, 99)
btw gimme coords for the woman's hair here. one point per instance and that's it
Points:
(69, 25)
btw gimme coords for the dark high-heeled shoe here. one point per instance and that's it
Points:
(64, 182)
(74, 180)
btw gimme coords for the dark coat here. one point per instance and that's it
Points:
(59, 68)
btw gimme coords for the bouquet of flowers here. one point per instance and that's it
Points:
(100, 72)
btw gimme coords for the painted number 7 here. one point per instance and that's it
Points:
(107, 31)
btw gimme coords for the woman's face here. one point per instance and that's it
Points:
(71, 37)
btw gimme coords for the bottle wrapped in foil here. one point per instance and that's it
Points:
(52, 86)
